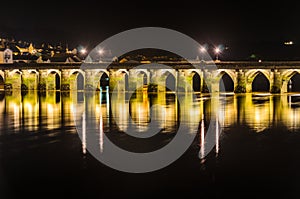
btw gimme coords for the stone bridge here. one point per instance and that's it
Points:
(180, 76)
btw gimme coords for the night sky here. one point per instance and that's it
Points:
(246, 27)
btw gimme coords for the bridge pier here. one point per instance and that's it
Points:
(66, 80)
(53, 80)
(185, 80)
(207, 82)
(275, 82)
(240, 82)
(42, 85)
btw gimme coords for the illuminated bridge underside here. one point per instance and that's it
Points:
(64, 76)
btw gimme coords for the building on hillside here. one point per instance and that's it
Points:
(6, 56)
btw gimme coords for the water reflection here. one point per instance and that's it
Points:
(34, 112)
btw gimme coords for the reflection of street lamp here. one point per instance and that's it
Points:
(100, 51)
(217, 51)
(202, 51)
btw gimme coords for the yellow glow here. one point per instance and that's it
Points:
(29, 107)
(288, 43)
(50, 109)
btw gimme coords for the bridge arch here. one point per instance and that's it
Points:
(226, 83)
(2, 79)
(54, 80)
(216, 76)
(52, 71)
(169, 80)
(260, 83)
(30, 80)
(14, 79)
(2, 82)
(225, 80)
(290, 81)
(16, 71)
(122, 71)
(166, 72)
(286, 77)
(142, 77)
(196, 81)
(220, 74)
(251, 74)
(254, 77)
(77, 80)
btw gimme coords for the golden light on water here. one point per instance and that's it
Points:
(258, 113)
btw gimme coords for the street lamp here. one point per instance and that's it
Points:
(100, 51)
(202, 51)
(83, 51)
(217, 51)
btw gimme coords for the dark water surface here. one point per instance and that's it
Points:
(257, 154)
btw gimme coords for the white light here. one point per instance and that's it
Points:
(101, 51)
(202, 49)
(83, 51)
(288, 43)
(217, 50)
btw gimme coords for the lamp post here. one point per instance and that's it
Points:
(217, 52)
(202, 51)
(83, 52)
(100, 51)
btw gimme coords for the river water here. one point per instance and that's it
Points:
(256, 154)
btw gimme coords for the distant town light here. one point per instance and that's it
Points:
(288, 43)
